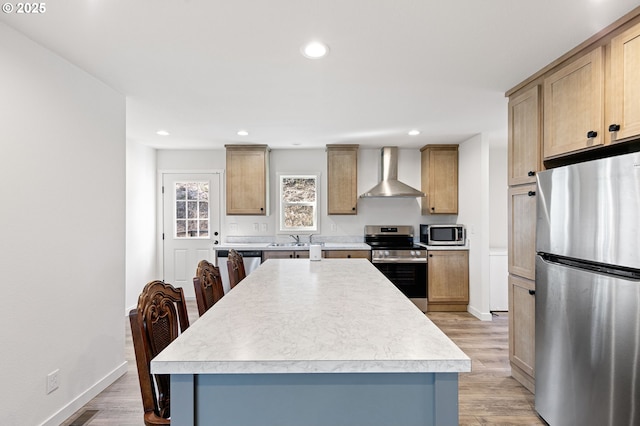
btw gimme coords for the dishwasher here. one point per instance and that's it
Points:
(250, 258)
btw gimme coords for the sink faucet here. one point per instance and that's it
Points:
(296, 237)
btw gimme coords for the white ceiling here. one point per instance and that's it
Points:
(205, 69)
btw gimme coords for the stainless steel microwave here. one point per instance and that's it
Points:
(443, 235)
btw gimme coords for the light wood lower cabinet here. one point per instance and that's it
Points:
(447, 280)
(285, 254)
(522, 330)
(347, 254)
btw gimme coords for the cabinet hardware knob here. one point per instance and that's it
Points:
(433, 208)
(592, 134)
(531, 193)
(353, 209)
(216, 242)
(532, 292)
(215, 233)
(430, 255)
(261, 209)
(531, 173)
(614, 127)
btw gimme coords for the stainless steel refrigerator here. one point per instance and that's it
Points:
(588, 293)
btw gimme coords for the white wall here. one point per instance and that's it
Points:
(474, 211)
(62, 258)
(141, 264)
(498, 223)
(370, 211)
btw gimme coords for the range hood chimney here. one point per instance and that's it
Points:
(389, 185)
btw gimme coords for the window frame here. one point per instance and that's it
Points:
(282, 204)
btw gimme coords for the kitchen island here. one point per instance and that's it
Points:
(298, 342)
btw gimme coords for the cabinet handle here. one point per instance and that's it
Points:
(215, 233)
(291, 256)
(532, 292)
(348, 256)
(216, 242)
(592, 134)
(430, 255)
(614, 127)
(433, 208)
(531, 193)
(353, 209)
(261, 209)
(531, 173)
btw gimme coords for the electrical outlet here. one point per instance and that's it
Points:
(52, 381)
(255, 227)
(263, 227)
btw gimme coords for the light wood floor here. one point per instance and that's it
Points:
(488, 395)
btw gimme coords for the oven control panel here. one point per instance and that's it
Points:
(398, 256)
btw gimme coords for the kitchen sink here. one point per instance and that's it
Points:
(288, 245)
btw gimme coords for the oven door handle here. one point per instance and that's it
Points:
(421, 260)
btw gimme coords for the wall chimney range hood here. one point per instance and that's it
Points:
(389, 185)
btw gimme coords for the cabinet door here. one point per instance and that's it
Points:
(522, 230)
(440, 179)
(285, 254)
(247, 180)
(448, 276)
(625, 84)
(347, 254)
(525, 136)
(522, 324)
(342, 179)
(574, 106)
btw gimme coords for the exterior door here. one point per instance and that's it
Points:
(191, 225)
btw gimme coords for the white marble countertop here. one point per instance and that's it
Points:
(302, 316)
(268, 246)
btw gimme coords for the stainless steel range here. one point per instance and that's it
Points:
(394, 253)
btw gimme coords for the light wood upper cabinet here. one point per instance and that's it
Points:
(525, 136)
(439, 172)
(448, 280)
(247, 179)
(522, 230)
(624, 100)
(342, 179)
(574, 105)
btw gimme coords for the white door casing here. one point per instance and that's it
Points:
(180, 255)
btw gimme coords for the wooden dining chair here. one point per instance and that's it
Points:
(235, 266)
(208, 286)
(159, 318)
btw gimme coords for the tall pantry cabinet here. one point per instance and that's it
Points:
(525, 140)
(583, 106)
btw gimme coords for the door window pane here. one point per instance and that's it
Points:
(192, 210)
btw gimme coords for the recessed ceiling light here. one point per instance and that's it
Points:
(414, 132)
(243, 133)
(315, 50)
(162, 133)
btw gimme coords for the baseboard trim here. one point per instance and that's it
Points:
(77, 403)
(482, 316)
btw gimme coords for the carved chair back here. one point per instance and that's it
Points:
(235, 266)
(159, 318)
(208, 286)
